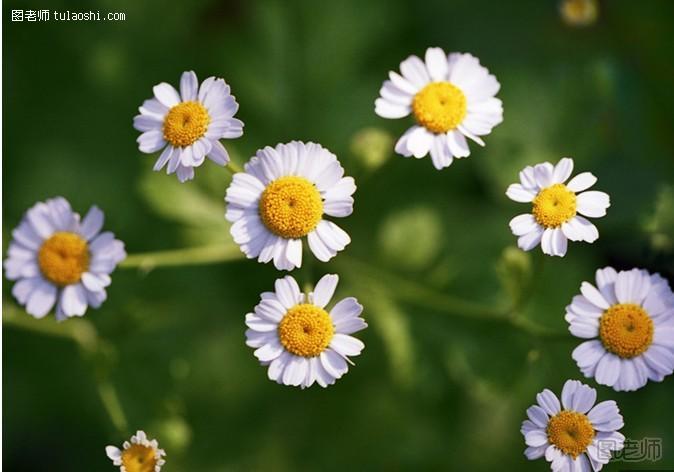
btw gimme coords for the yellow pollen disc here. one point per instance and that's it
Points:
(571, 432)
(185, 123)
(626, 330)
(291, 207)
(306, 330)
(63, 258)
(139, 458)
(439, 107)
(554, 205)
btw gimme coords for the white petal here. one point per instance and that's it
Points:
(562, 170)
(189, 86)
(436, 63)
(592, 203)
(92, 223)
(523, 224)
(457, 144)
(581, 182)
(529, 241)
(590, 292)
(324, 290)
(287, 291)
(388, 109)
(419, 142)
(549, 402)
(518, 193)
(543, 174)
(151, 141)
(41, 299)
(166, 94)
(74, 300)
(608, 370)
(346, 345)
(414, 70)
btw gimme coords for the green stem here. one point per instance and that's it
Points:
(83, 333)
(420, 295)
(179, 257)
(233, 167)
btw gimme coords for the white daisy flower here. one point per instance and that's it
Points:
(298, 339)
(283, 196)
(451, 98)
(576, 435)
(188, 125)
(56, 259)
(629, 317)
(556, 207)
(139, 454)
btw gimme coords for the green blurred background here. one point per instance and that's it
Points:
(448, 368)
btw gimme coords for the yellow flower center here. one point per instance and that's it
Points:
(554, 205)
(439, 107)
(63, 258)
(626, 330)
(306, 330)
(291, 207)
(185, 123)
(571, 432)
(139, 458)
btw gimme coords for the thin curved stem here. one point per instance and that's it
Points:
(233, 167)
(180, 257)
(91, 347)
(420, 295)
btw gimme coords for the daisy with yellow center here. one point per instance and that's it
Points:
(58, 260)
(629, 318)
(574, 434)
(188, 126)
(282, 197)
(558, 209)
(299, 339)
(451, 97)
(139, 454)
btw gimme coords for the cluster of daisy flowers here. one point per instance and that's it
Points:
(289, 194)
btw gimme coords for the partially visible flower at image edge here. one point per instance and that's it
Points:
(452, 97)
(188, 126)
(59, 260)
(575, 435)
(298, 339)
(139, 454)
(628, 319)
(556, 207)
(283, 196)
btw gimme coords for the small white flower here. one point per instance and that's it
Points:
(576, 435)
(629, 317)
(56, 259)
(282, 197)
(139, 454)
(189, 125)
(556, 207)
(298, 339)
(451, 98)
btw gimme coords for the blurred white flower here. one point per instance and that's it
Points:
(298, 339)
(187, 126)
(282, 197)
(451, 98)
(576, 435)
(58, 260)
(556, 207)
(139, 454)
(629, 317)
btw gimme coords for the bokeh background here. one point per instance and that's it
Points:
(464, 328)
